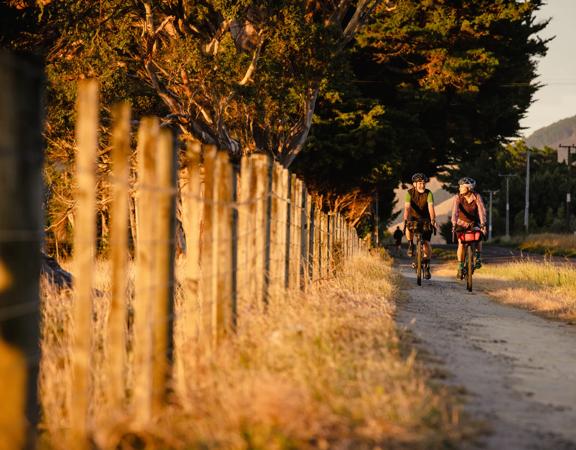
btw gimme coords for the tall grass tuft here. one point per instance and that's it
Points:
(544, 287)
(553, 244)
(321, 370)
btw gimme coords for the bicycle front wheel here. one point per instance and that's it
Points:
(469, 266)
(419, 263)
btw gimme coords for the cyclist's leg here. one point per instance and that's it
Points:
(478, 256)
(409, 238)
(427, 250)
(460, 251)
(427, 256)
(460, 258)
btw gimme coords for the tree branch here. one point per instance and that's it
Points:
(212, 47)
(363, 10)
(301, 131)
(255, 56)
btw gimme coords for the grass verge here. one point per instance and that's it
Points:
(324, 370)
(546, 243)
(545, 288)
(541, 287)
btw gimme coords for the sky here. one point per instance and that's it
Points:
(557, 70)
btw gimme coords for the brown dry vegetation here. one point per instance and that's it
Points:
(554, 244)
(541, 287)
(320, 371)
(547, 243)
(546, 288)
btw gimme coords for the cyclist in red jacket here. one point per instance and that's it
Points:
(468, 211)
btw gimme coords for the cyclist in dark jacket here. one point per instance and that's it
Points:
(419, 207)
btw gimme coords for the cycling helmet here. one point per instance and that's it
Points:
(467, 181)
(419, 177)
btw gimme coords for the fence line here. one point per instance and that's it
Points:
(251, 233)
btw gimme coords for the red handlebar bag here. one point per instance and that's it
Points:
(470, 236)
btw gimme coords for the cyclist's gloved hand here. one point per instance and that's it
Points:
(483, 228)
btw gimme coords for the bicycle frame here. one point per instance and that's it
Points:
(417, 229)
(418, 256)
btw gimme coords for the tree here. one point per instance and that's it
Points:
(549, 181)
(421, 85)
(241, 74)
(435, 85)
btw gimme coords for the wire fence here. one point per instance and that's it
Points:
(250, 234)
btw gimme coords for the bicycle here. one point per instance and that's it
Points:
(469, 239)
(418, 228)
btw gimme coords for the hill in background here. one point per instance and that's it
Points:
(561, 132)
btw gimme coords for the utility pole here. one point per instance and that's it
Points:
(527, 195)
(491, 193)
(507, 176)
(569, 149)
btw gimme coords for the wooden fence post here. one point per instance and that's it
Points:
(281, 220)
(329, 243)
(116, 343)
(208, 280)
(317, 243)
(325, 268)
(234, 245)
(261, 242)
(336, 242)
(294, 247)
(311, 238)
(274, 236)
(288, 229)
(164, 207)
(318, 261)
(244, 202)
(192, 213)
(223, 307)
(268, 253)
(83, 260)
(21, 229)
(188, 321)
(348, 241)
(145, 270)
(304, 225)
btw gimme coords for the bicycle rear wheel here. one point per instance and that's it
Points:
(469, 266)
(419, 263)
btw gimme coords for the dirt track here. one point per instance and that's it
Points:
(518, 369)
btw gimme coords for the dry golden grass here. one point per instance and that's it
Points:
(317, 371)
(541, 287)
(553, 244)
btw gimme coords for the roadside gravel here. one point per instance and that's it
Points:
(518, 369)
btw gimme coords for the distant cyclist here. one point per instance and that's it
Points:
(419, 207)
(397, 239)
(468, 211)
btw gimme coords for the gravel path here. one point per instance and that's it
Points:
(518, 369)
